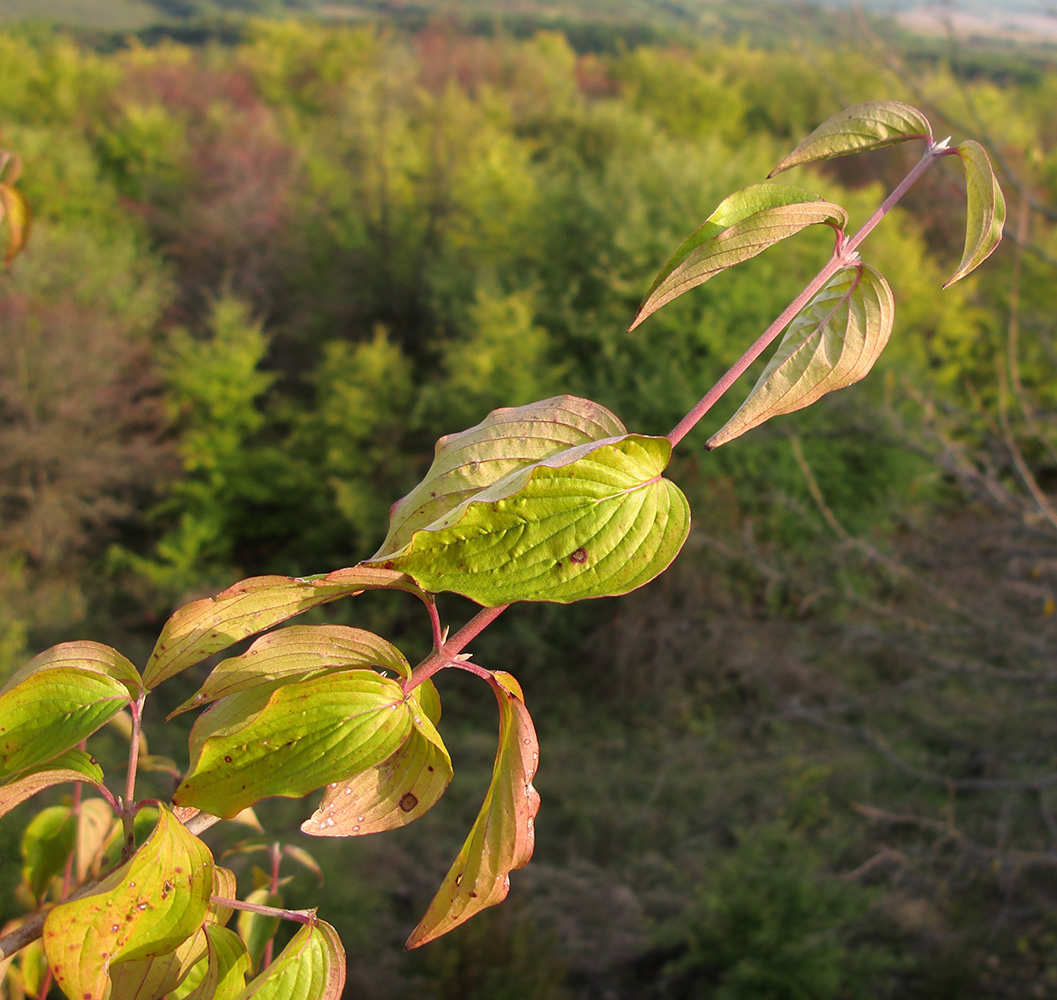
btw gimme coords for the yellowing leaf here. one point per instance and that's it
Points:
(503, 835)
(985, 211)
(291, 739)
(743, 225)
(146, 908)
(204, 627)
(390, 794)
(857, 129)
(299, 651)
(833, 342)
(310, 967)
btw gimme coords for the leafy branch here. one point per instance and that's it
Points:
(554, 501)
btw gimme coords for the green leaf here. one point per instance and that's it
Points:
(51, 710)
(227, 965)
(204, 627)
(74, 765)
(47, 842)
(92, 657)
(291, 739)
(596, 520)
(506, 440)
(857, 129)
(831, 343)
(985, 211)
(310, 967)
(395, 792)
(14, 210)
(743, 225)
(297, 652)
(148, 907)
(503, 835)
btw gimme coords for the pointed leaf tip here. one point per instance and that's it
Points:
(985, 209)
(503, 835)
(857, 129)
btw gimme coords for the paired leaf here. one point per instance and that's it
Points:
(297, 652)
(833, 342)
(51, 709)
(310, 967)
(503, 835)
(858, 129)
(742, 226)
(594, 520)
(985, 213)
(208, 626)
(506, 440)
(395, 792)
(291, 739)
(74, 765)
(146, 908)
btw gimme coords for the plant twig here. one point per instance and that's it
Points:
(844, 255)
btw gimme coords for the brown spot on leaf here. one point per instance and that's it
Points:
(408, 802)
(227, 759)
(579, 556)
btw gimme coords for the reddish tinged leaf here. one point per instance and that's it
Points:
(208, 626)
(743, 225)
(854, 130)
(91, 657)
(503, 835)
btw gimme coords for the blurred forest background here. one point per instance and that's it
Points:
(280, 248)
